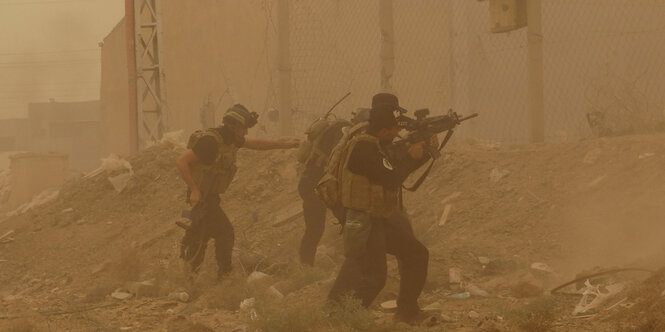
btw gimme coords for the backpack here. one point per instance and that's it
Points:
(309, 149)
(328, 188)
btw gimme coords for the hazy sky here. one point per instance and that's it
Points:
(49, 49)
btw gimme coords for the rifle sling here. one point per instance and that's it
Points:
(422, 177)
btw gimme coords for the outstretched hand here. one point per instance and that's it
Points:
(289, 142)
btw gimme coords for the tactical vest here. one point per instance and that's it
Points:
(358, 193)
(224, 167)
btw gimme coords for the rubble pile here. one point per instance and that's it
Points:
(503, 226)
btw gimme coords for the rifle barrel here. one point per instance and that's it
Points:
(468, 117)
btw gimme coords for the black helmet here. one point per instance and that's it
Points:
(240, 114)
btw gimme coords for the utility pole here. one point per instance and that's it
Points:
(386, 25)
(131, 76)
(147, 96)
(535, 70)
(284, 61)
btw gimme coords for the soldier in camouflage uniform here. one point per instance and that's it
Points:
(370, 180)
(210, 162)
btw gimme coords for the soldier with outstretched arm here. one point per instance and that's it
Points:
(208, 167)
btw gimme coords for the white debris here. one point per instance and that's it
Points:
(179, 296)
(451, 197)
(174, 138)
(542, 267)
(41, 199)
(496, 174)
(120, 181)
(433, 306)
(121, 295)
(476, 291)
(597, 180)
(389, 305)
(247, 304)
(646, 155)
(7, 235)
(67, 210)
(110, 164)
(275, 292)
(445, 214)
(256, 276)
(454, 275)
(474, 315)
(592, 156)
(592, 296)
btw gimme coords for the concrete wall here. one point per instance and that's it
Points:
(113, 95)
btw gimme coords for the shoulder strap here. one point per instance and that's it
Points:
(422, 177)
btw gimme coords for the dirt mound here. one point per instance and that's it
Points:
(571, 206)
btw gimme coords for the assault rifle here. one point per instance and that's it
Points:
(422, 128)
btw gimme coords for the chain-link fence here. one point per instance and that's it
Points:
(602, 56)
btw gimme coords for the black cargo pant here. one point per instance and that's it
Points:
(314, 212)
(363, 273)
(215, 225)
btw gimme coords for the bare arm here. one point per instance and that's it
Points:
(266, 144)
(183, 163)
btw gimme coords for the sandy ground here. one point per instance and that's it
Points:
(575, 207)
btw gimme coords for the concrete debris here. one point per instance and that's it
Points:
(110, 164)
(484, 260)
(256, 276)
(475, 290)
(179, 296)
(464, 295)
(596, 181)
(474, 315)
(496, 174)
(541, 267)
(67, 210)
(454, 275)
(7, 235)
(389, 305)
(646, 155)
(451, 197)
(120, 181)
(435, 306)
(275, 292)
(120, 294)
(42, 198)
(99, 268)
(592, 156)
(444, 215)
(142, 289)
(247, 304)
(446, 319)
(174, 138)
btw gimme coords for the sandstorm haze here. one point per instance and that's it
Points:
(49, 49)
(563, 169)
